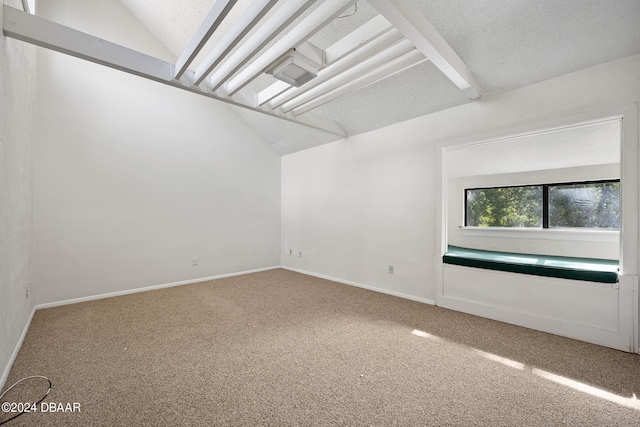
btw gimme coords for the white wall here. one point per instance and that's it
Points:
(17, 91)
(134, 179)
(357, 205)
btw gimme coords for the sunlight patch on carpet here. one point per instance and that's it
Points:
(508, 362)
(629, 402)
(426, 335)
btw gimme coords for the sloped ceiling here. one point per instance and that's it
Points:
(505, 43)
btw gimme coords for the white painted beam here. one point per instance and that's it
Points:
(358, 38)
(245, 23)
(41, 32)
(399, 64)
(346, 52)
(214, 18)
(408, 18)
(310, 25)
(350, 64)
(281, 18)
(271, 92)
(312, 120)
(352, 74)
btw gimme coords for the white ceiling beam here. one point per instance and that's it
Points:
(399, 64)
(347, 63)
(314, 22)
(312, 120)
(357, 45)
(351, 74)
(214, 18)
(271, 92)
(358, 38)
(281, 18)
(408, 18)
(41, 32)
(245, 23)
(44, 33)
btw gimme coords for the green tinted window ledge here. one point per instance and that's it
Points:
(587, 269)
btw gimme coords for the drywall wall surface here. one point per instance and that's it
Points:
(17, 91)
(587, 144)
(355, 206)
(135, 181)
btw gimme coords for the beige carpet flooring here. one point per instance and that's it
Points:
(279, 348)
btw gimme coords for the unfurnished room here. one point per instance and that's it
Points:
(319, 213)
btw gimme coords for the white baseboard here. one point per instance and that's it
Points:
(150, 288)
(5, 373)
(360, 285)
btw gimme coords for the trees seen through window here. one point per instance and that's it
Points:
(583, 205)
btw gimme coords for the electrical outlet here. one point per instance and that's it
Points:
(195, 262)
(391, 269)
(300, 254)
(28, 291)
(290, 252)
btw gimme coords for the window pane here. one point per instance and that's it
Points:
(505, 207)
(585, 205)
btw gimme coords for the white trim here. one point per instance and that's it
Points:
(630, 213)
(360, 285)
(636, 316)
(150, 288)
(567, 234)
(626, 315)
(12, 359)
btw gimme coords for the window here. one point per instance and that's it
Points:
(505, 207)
(582, 205)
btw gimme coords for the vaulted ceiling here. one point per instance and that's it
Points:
(382, 61)
(504, 43)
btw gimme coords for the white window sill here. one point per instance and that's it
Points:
(603, 236)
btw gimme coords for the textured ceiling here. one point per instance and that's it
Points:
(505, 43)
